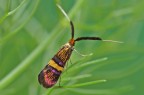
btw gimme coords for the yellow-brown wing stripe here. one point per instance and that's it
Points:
(54, 65)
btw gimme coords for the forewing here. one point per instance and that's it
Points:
(48, 76)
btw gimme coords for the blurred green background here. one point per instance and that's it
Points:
(32, 31)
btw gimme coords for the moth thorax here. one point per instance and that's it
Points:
(65, 52)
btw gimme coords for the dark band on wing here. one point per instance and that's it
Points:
(58, 61)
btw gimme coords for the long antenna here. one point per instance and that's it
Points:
(96, 38)
(112, 41)
(88, 38)
(63, 12)
(71, 23)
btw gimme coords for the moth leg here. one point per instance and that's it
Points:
(66, 66)
(59, 81)
(71, 62)
(82, 54)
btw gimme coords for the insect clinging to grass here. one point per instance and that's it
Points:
(49, 76)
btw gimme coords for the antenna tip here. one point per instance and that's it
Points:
(61, 9)
(57, 4)
(113, 41)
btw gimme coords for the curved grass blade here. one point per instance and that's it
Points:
(77, 77)
(74, 66)
(85, 84)
(93, 91)
(74, 86)
(11, 12)
(48, 92)
(92, 62)
(11, 34)
(18, 7)
(28, 61)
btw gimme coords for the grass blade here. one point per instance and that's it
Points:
(77, 77)
(11, 12)
(28, 61)
(85, 84)
(11, 34)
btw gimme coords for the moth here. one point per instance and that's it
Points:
(49, 76)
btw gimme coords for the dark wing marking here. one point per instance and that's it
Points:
(48, 76)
